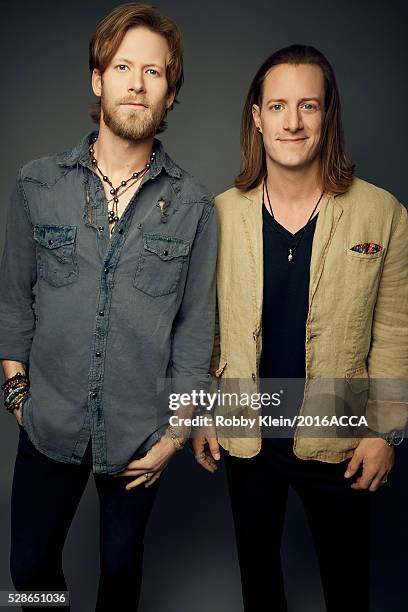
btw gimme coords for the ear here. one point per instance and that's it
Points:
(97, 82)
(256, 115)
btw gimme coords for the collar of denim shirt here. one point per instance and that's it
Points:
(80, 155)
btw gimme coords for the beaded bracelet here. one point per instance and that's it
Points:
(15, 390)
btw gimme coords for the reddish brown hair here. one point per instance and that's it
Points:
(335, 167)
(109, 35)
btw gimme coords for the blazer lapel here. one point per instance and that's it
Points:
(326, 225)
(252, 222)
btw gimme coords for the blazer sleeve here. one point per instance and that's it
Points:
(387, 362)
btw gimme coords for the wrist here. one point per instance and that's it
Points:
(177, 440)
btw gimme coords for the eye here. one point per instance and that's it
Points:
(122, 67)
(277, 107)
(153, 71)
(309, 106)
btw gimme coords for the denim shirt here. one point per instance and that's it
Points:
(99, 320)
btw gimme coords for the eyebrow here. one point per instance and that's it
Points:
(301, 100)
(127, 61)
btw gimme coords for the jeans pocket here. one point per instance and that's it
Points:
(56, 253)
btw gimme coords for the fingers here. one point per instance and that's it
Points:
(198, 445)
(151, 478)
(371, 481)
(128, 472)
(214, 448)
(17, 414)
(377, 482)
(353, 465)
(206, 461)
(207, 465)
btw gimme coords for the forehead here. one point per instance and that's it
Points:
(288, 81)
(142, 45)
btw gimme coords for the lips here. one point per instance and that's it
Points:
(292, 139)
(134, 104)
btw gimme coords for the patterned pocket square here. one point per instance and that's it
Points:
(367, 248)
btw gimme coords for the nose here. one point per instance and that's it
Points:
(136, 82)
(293, 120)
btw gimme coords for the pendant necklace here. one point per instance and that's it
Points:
(295, 246)
(113, 216)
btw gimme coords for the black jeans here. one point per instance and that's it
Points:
(338, 516)
(45, 497)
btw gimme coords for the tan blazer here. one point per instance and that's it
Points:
(357, 324)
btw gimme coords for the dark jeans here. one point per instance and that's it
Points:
(45, 497)
(338, 516)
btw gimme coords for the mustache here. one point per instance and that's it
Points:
(134, 101)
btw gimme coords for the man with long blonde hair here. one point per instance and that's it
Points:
(312, 286)
(107, 287)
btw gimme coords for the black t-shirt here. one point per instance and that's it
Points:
(285, 301)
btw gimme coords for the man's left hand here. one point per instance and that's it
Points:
(377, 458)
(153, 463)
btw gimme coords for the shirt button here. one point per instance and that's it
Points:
(50, 242)
(254, 336)
(98, 354)
(253, 377)
(165, 253)
(106, 270)
(120, 231)
(94, 394)
(101, 313)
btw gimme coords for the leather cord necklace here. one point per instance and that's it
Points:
(113, 216)
(295, 246)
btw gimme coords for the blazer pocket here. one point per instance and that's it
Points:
(56, 253)
(160, 264)
(367, 257)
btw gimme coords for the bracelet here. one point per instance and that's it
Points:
(15, 404)
(16, 388)
(175, 439)
(11, 382)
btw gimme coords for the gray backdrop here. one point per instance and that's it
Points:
(190, 561)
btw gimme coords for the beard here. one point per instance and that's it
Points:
(133, 125)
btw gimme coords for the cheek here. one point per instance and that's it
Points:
(315, 125)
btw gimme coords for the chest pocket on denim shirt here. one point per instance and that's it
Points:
(160, 264)
(56, 253)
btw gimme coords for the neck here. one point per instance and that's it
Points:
(118, 157)
(293, 186)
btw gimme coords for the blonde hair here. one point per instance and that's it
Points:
(111, 31)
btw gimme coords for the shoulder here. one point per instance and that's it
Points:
(190, 189)
(372, 198)
(229, 200)
(45, 171)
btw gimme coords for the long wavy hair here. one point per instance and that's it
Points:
(335, 167)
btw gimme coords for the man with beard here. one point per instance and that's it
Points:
(108, 286)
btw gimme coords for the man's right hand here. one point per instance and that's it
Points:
(207, 457)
